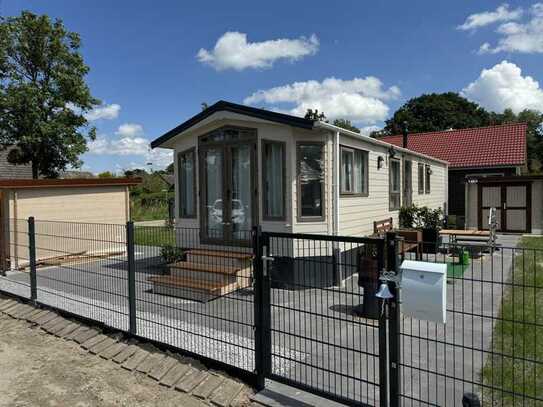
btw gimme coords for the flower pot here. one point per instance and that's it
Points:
(431, 240)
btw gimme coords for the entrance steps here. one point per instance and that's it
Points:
(205, 275)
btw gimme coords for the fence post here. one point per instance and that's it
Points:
(393, 256)
(260, 305)
(131, 277)
(32, 259)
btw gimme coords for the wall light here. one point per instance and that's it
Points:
(380, 161)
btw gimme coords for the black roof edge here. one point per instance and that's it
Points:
(222, 105)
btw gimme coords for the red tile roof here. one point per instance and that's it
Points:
(492, 146)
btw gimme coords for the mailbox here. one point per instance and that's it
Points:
(424, 290)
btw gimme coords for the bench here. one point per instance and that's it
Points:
(412, 238)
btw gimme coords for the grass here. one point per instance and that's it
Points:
(154, 236)
(516, 366)
(156, 211)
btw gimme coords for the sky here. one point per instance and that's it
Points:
(153, 63)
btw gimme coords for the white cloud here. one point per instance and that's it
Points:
(360, 99)
(160, 157)
(233, 51)
(130, 130)
(503, 86)
(502, 13)
(525, 37)
(107, 112)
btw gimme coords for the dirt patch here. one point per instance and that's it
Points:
(39, 369)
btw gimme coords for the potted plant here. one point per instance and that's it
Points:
(431, 221)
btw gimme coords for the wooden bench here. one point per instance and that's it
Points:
(412, 238)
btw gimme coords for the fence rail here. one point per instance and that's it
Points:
(299, 309)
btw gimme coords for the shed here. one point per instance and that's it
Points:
(58, 205)
(518, 201)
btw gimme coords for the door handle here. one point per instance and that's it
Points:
(504, 206)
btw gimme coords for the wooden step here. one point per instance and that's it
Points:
(197, 290)
(220, 253)
(206, 268)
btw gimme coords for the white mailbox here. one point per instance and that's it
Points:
(424, 290)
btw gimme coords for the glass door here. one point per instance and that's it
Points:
(228, 174)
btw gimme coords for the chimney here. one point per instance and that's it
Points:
(404, 131)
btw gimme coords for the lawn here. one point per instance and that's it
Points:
(516, 366)
(154, 236)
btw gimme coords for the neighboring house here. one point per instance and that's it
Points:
(238, 166)
(11, 171)
(55, 204)
(477, 152)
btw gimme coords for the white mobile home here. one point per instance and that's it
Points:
(238, 166)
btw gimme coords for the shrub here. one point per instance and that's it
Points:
(172, 254)
(421, 217)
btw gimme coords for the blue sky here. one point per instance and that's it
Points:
(154, 63)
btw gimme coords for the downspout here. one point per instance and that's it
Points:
(336, 253)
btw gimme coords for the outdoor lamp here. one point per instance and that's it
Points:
(380, 161)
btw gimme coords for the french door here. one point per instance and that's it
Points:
(512, 203)
(228, 204)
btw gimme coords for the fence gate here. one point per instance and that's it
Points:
(312, 336)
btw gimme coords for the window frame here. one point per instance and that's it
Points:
(427, 179)
(353, 150)
(421, 172)
(390, 184)
(192, 151)
(283, 181)
(300, 217)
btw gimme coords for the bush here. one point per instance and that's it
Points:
(421, 217)
(172, 254)
(408, 216)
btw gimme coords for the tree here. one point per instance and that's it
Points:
(43, 94)
(436, 112)
(346, 124)
(106, 174)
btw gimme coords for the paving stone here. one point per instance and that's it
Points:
(80, 329)
(133, 361)
(207, 386)
(7, 303)
(46, 317)
(13, 311)
(226, 393)
(192, 379)
(32, 314)
(60, 326)
(162, 368)
(125, 353)
(68, 330)
(7, 306)
(153, 360)
(51, 323)
(84, 336)
(113, 350)
(99, 347)
(37, 315)
(174, 375)
(93, 341)
(23, 310)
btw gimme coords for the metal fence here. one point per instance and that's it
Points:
(299, 309)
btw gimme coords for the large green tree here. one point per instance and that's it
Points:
(43, 94)
(346, 124)
(435, 112)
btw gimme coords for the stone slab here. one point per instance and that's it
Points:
(154, 359)
(174, 375)
(125, 354)
(133, 361)
(224, 395)
(100, 347)
(113, 350)
(192, 379)
(160, 369)
(86, 335)
(68, 330)
(81, 328)
(208, 386)
(93, 341)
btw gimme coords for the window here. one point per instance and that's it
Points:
(428, 173)
(394, 184)
(187, 184)
(421, 178)
(310, 181)
(354, 172)
(273, 179)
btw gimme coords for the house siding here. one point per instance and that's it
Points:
(357, 214)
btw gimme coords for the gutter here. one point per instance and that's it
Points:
(377, 142)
